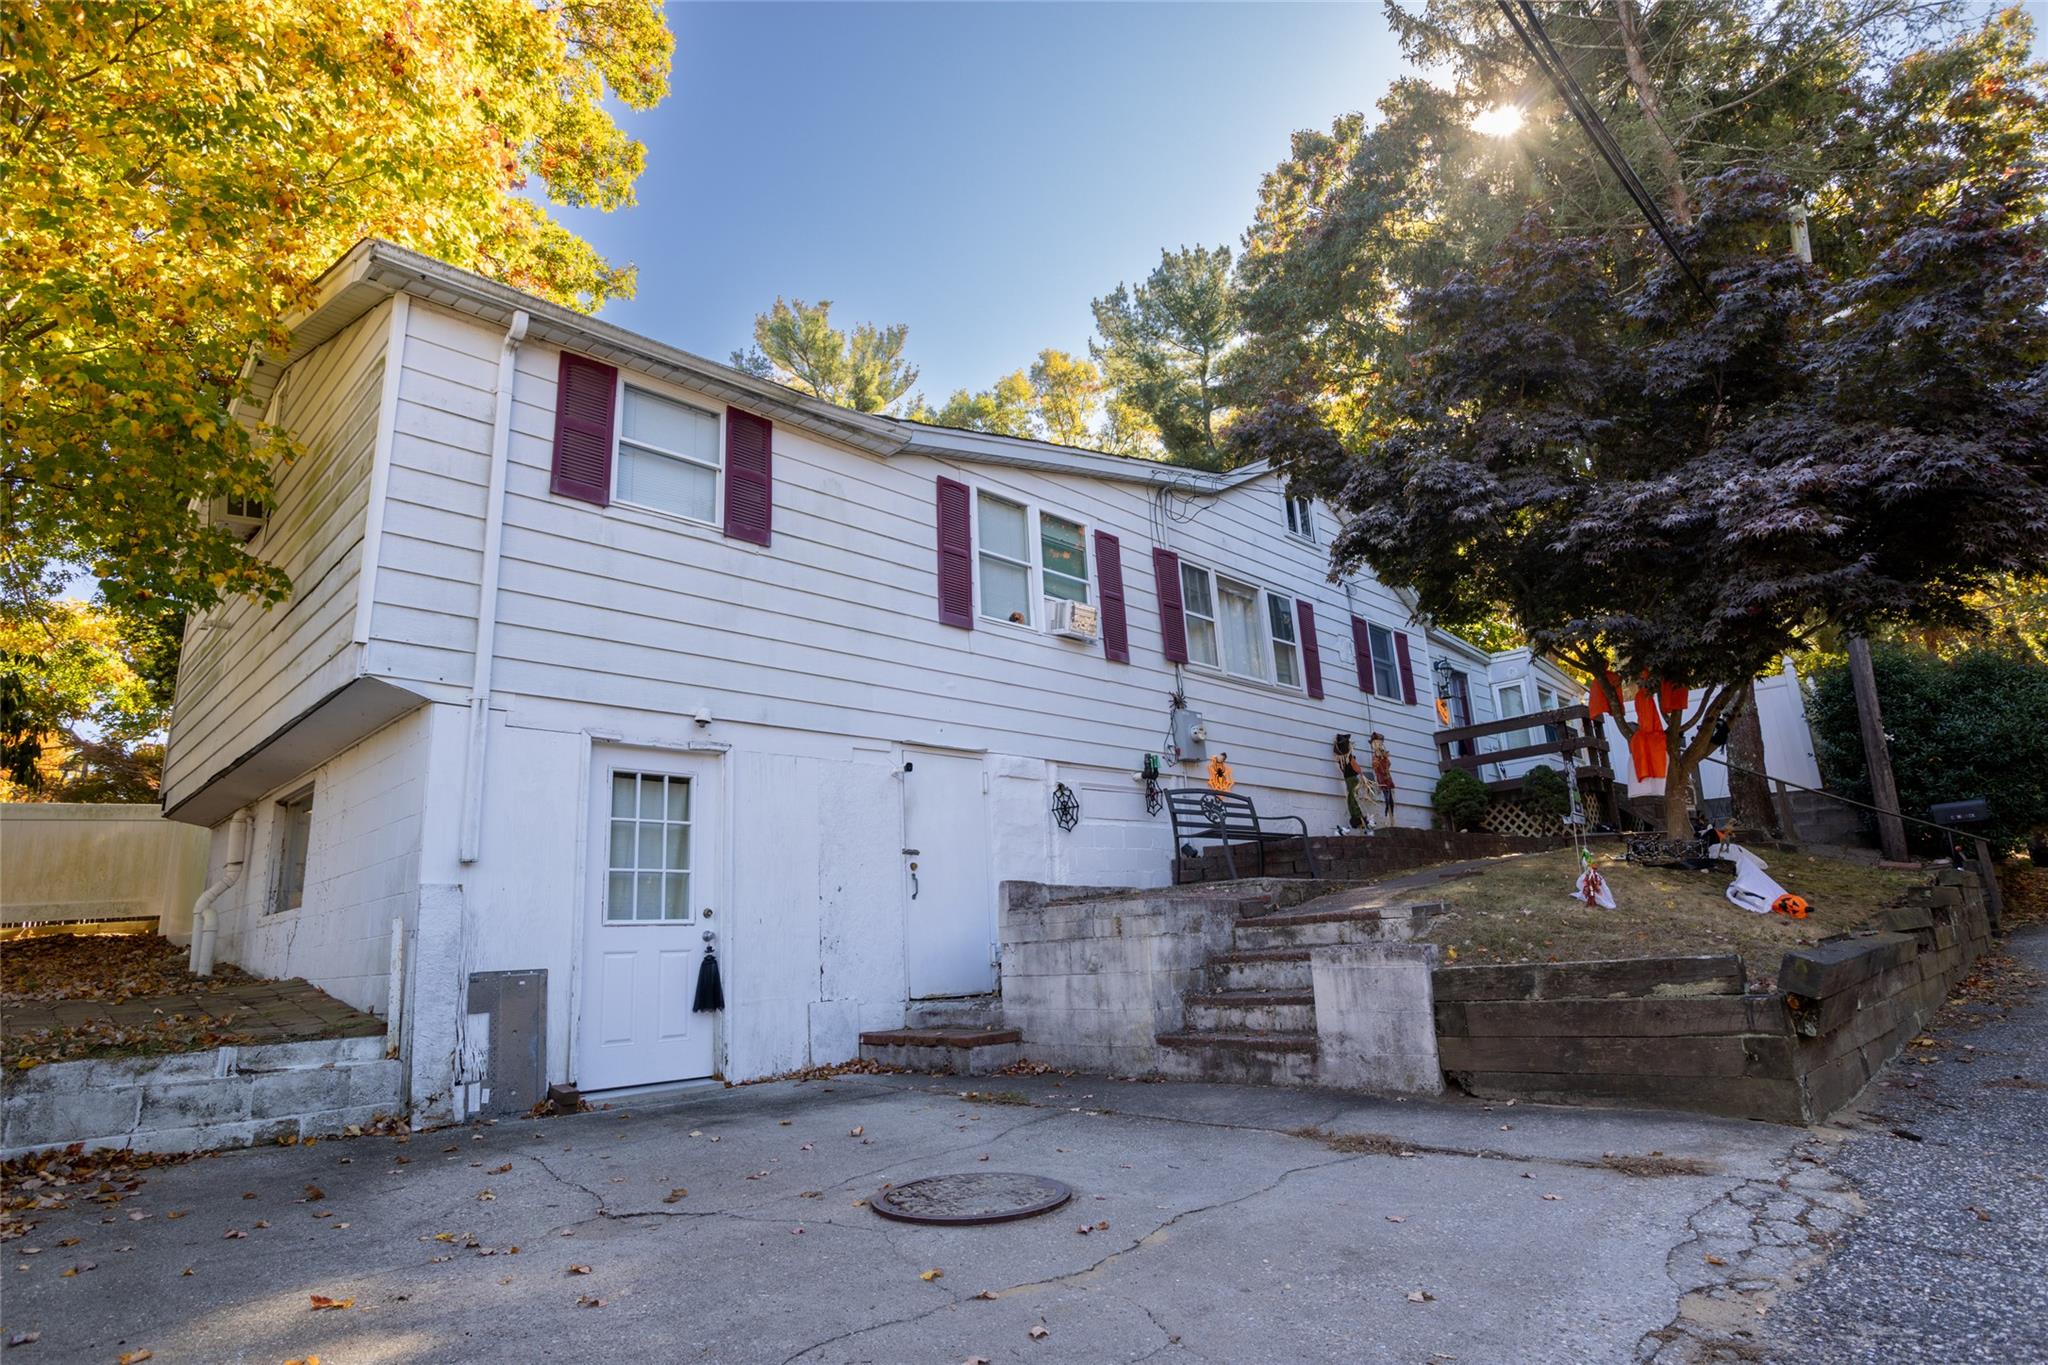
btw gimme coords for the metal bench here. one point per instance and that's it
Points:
(1199, 813)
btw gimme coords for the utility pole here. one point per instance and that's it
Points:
(1877, 752)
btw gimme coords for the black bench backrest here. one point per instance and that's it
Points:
(1203, 811)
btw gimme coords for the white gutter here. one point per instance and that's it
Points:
(380, 467)
(206, 910)
(487, 595)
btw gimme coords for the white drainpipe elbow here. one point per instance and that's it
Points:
(206, 910)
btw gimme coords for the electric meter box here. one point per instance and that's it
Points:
(1190, 736)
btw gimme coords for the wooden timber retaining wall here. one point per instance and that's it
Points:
(1361, 857)
(1683, 1033)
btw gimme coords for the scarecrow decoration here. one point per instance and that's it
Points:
(1352, 773)
(1383, 772)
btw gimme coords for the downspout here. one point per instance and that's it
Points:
(487, 596)
(206, 910)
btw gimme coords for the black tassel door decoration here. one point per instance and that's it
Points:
(710, 993)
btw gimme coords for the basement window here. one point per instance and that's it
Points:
(294, 838)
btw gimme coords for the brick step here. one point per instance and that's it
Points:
(960, 1052)
(1257, 1011)
(1240, 1058)
(1316, 928)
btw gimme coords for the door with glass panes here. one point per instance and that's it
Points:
(652, 910)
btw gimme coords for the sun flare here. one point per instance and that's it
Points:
(1503, 120)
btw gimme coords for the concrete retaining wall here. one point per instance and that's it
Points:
(199, 1101)
(1681, 1033)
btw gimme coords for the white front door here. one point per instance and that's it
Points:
(651, 905)
(951, 926)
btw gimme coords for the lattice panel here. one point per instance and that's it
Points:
(1516, 820)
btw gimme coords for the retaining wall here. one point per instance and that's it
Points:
(198, 1101)
(1683, 1033)
(1360, 857)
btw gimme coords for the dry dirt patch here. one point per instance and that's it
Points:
(1522, 909)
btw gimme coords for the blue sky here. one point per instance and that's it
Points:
(977, 171)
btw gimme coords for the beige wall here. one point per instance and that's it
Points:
(85, 862)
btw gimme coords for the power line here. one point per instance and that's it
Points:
(1529, 28)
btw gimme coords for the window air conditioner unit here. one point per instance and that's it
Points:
(242, 516)
(1070, 620)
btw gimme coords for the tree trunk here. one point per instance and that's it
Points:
(1629, 22)
(1677, 783)
(1749, 792)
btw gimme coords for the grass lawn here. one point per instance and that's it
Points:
(1523, 909)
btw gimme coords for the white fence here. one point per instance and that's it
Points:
(72, 863)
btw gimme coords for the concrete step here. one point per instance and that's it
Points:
(959, 1052)
(1260, 969)
(1316, 928)
(1240, 1058)
(1252, 1012)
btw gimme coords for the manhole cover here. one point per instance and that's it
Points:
(982, 1197)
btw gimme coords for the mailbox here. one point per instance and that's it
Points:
(1960, 814)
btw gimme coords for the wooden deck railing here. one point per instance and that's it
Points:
(1581, 743)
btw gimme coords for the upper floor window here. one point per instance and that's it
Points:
(1386, 674)
(1020, 546)
(1228, 627)
(1301, 520)
(668, 456)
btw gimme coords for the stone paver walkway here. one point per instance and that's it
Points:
(263, 1011)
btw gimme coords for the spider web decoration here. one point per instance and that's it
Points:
(1153, 801)
(1066, 807)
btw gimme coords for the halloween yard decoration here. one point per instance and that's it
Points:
(1220, 778)
(1348, 769)
(1383, 773)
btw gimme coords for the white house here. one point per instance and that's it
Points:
(599, 652)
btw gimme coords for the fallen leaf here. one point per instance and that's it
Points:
(1102, 1226)
(309, 1360)
(68, 1242)
(930, 1275)
(675, 1195)
(232, 1233)
(1553, 1196)
(322, 1303)
(857, 1131)
(1716, 1260)
(500, 1170)
(1982, 1216)
(1397, 1218)
(579, 1270)
(188, 1271)
(986, 1294)
(1037, 1332)
(80, 1269)
(248, 1194)
(314, 1192)
(24, 1338)
(177, 1213)
(586, 1301)
(1084, 1229)
(261, 1223)
(1421, 1296)
(135, 1357)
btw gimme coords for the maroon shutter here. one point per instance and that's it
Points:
(956, 556)
(1116, 636)
(1407, 672)
(1311, 651)
(749, 477)
(1361, 645)
(1173, 621)
(584, 394)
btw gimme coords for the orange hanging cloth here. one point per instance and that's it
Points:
(1646, 746)
(1673, 696)
(1596, 696)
